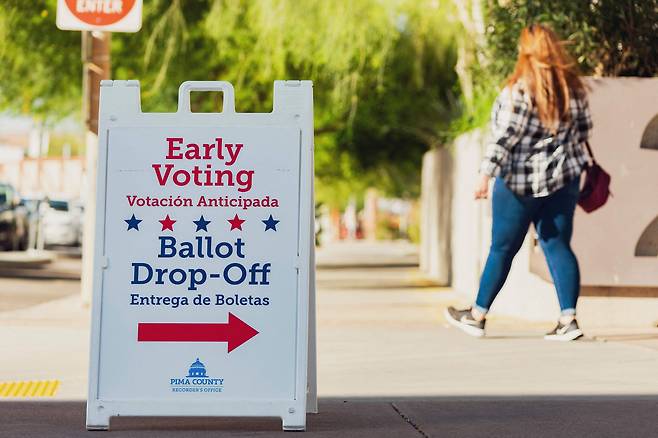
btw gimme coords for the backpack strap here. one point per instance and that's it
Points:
(589, 151)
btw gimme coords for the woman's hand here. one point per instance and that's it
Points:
(482, 189)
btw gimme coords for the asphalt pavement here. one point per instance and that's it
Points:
(522, 417)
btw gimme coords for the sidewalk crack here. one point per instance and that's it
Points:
(408, 419)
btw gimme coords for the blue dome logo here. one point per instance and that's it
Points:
(197, 369)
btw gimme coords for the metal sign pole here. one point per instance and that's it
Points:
(96, 66)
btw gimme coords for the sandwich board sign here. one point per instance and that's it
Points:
(203, 301)
(101, 15)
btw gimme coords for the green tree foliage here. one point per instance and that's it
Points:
(606, 37)
(383, 71)
(40, 66)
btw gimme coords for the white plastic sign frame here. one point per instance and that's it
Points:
(134, 372)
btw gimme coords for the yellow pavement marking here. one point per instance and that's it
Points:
(29, 388)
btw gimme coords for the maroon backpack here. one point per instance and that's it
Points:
(596, 190)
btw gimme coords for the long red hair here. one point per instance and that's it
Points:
(548, 72)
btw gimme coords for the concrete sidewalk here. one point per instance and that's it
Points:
(61, 263)
(380, 334)
(388, 365)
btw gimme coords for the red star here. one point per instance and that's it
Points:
(236, 223)
(167, 223)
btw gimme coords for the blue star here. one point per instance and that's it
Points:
(270, 223)
(202, 224)
(133, 223)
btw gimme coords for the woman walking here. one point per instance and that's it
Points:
(539, 124)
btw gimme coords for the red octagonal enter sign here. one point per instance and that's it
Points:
(107, 15)
(100, 12)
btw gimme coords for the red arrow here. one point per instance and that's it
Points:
(235, 332)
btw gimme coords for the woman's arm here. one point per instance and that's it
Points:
(508, 119)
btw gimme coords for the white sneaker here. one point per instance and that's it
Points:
(463, 320)
(565, 332)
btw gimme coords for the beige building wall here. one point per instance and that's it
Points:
(55, 177)
(606, 240)
(435, 215)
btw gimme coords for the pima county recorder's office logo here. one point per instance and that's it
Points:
(196, 380)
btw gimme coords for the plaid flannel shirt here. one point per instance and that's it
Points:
(532, 160)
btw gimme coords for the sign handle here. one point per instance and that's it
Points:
(228, 94)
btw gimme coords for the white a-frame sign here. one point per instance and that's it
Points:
(204, 295)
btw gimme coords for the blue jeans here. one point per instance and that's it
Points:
(553, 219)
